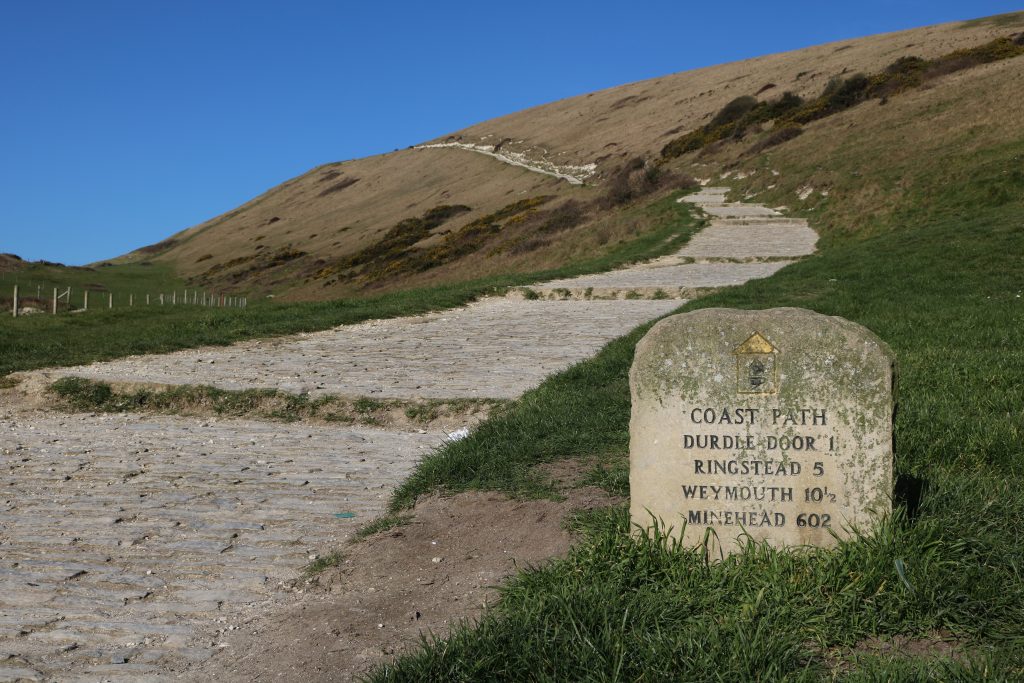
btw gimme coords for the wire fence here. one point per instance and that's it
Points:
(55, 300)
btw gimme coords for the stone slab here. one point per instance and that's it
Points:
(739, 210)
(692, 275)
(774, 425)
(754, 239)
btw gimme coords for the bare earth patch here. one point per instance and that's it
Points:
(422, 577)
(936, 645)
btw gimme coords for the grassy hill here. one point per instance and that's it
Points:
(361, 227)
(859, 136)
(903, 150)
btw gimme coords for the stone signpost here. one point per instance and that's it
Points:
(774, 425)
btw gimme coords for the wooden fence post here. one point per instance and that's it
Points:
(55, 301)
(85, 299)
(147, 299)
(110, 299)
(131, 299)
(161, 299)
(15, 301)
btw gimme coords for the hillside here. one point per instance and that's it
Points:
(369, 225)
(212, 504)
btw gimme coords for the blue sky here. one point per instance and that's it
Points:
(123, 122)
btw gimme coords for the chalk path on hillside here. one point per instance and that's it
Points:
(129, 542)
(493, 348)
(574, 174)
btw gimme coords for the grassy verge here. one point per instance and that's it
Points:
(945, 291)
(321, 564)
(79, 393)
(38, 341)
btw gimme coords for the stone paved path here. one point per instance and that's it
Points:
(127, 542)
(494, 348)
(743, 242)
(119, 535)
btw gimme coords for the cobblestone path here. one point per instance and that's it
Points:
(494, 348)
(128, 542)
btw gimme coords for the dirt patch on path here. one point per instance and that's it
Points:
(418, 578)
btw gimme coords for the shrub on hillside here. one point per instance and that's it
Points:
(726, 124)
(842, 94)
(339, 186)
(781, 134)
(733, 111)
(743, 114)
(779, 107)
(568, 215)
(637, 178)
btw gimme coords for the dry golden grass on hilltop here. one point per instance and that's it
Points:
(280, 241)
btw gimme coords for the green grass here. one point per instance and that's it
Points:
(37, 341)
(647, 610)
(944, 289)
(322, 563)
(79, 393)
(121, 280)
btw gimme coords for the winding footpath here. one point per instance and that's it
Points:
(129, 542)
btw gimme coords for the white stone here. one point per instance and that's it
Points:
(793, 448)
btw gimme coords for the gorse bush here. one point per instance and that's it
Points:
(732, 126)
(638, 178)
(395, 242)
(734, 111)
(742, 114)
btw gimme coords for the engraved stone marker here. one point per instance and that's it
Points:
(773, 424)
